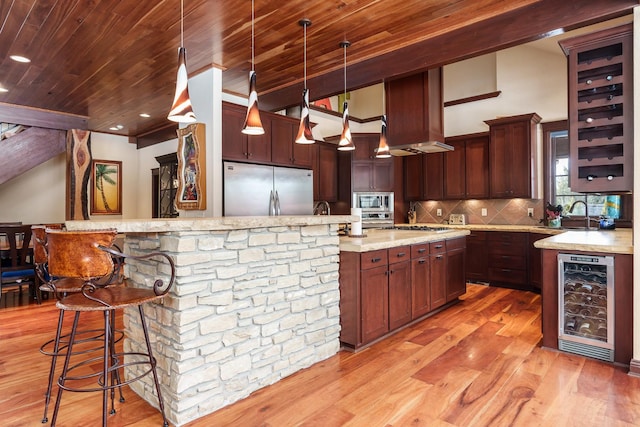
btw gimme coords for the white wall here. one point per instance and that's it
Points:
(531, 80)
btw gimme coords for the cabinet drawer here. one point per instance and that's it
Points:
(419, 250)
(516, 262)
(479, 236)
(399, 254)
(438, 247)
(508, 275)
(458, 243)
(373, 259)
(507, 237)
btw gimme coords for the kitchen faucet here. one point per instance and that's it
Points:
(322, 204)
(586, 211)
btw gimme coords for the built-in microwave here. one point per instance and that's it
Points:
(377, 208)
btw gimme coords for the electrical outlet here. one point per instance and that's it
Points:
(530, 212)
(438, 212)
(483, 212)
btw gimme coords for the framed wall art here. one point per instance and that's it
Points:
(191, 194)
(106, 187)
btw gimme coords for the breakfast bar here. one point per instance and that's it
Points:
(255, 300)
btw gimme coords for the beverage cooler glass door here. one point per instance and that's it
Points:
(585, 305)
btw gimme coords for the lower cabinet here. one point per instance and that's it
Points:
(383, 290)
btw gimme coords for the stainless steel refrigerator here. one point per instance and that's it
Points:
(254, 190)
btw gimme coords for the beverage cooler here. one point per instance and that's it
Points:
(586, 305)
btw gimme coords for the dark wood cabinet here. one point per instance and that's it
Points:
(420, 280)
(238, 146)
(535, 261)
(367, 172)
(601, 123)
(512, 156)
(375, 303)
(456, 282)
(167, 186)
(508, 252)
(284, 150)
(438, 273)
(384, 290)
(414, 106)
(325, 172)
(423, 177)
(477, 267)
(399, 287)
(466, 169)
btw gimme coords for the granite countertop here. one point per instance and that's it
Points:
(618, 241)
(161, 225)
(383, 239)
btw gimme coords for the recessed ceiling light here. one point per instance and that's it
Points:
(119, 127)
(145, 115)
(19, 58)
(3, 90)
(113, 128)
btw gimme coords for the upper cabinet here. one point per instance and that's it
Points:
(238, 146)
(414, 108)
(466, 169)
(325, 172)
(275, 146)
(367, 172)
(601, 110)
(513, 157)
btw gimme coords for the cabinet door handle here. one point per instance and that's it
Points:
(376, 259)
(439, 257)
(400, 254)
(422, 250)
(506, 270)
(438, 246)
(422, 261)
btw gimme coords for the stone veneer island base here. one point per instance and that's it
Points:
(255, 299)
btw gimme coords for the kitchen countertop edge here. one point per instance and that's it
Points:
(163, 225)
(384, 239)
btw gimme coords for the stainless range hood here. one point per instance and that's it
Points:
(419, 148)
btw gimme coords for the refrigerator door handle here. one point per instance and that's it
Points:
(272, 204)
(277, 203)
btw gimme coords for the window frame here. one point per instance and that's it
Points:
(549, 173)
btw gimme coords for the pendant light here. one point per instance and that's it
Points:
(304, 132)
(346, 142)
(181, 110)
(252, 123)
(382, 152)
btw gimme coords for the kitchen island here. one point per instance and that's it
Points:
(616, 244)
(255, 300)
(393, 278)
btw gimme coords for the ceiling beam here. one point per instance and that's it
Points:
(29, 116)
(522, 26)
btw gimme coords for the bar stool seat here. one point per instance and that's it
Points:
(91, 264)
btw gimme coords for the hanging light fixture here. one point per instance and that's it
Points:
(181, 110)
(252, 123)
(304, 132)
(382, 152)
(346, 142)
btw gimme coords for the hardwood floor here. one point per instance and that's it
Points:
(476, 364)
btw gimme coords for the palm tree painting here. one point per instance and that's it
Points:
(106, 189)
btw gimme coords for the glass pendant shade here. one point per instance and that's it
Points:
(252, 123)
(304, 131)
(346, 142)
(181, 110)
(382, 152)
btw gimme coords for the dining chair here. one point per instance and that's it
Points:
(16, 259)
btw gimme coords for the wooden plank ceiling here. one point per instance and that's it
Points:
(108, 61)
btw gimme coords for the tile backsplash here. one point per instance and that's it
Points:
(499, 211)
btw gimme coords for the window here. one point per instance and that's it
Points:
(557, 188)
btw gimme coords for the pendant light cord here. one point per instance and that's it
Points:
(305, 55)
(252, 35)
(182, 23)
(345, 71)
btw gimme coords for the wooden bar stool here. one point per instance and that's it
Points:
(81, 255)
(61, 286)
